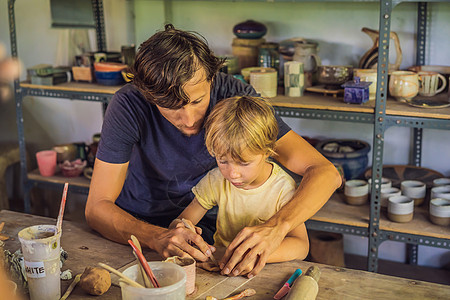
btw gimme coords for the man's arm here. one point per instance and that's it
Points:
(116, 224)
(320, 180)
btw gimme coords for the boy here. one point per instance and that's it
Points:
(248, 189)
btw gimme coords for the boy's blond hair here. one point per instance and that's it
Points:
(239, 123)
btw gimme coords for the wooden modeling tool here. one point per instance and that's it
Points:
(71, 287)
(245, 293)
(144, 264)
(306, 287)
(61, 208)
(121, 275)
(146, 279)
(188, 226)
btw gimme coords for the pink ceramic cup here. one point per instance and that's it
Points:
(46, 161)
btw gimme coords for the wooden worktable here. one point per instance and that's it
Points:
(87, 248)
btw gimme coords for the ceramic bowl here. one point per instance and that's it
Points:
(109, 78)
(334, 75)
(109, 66)
(72, 168)
(246, 72)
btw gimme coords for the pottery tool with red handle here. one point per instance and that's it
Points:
(245, 293)
(287, 286)
(144, 264)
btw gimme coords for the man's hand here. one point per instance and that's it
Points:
(180, 241)
(252, 244)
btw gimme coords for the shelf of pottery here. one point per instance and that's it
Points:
(291, 76)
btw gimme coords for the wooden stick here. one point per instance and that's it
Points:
(71, 287)
(245, 293)
(146, 279)
(61, 208)
(188, 226)
(144, 264)
(121, 275)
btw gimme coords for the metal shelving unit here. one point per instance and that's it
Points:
(383, 115)
(22, 90)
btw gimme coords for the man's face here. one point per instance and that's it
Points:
(189, 118)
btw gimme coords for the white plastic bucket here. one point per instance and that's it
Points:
(41, 253)
(171, 277)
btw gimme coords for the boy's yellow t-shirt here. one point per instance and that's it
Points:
(238, 208)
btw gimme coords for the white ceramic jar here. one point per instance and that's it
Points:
(442, 191)
(385, 183)
(386, 193)
(441, 181)
(440, 211)
(356, 192)
(415, 190)
(400, 209)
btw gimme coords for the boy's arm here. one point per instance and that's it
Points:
(194, 212)
(294, 246)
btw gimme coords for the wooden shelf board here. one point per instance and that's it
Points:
(75, 87)
(338, 212)
(58, 178)
(394, 108)
(420, 225)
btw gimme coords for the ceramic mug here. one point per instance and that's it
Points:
(415, 190)
(440, 211)
(386, 193)
(429, 82)
(442, 191)
(441, 181)
(368, 75)
(400, 209)
(404, 85)
(356, 192)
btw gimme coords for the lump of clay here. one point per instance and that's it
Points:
(95, 281)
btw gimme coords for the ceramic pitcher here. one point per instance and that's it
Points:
(306, 52)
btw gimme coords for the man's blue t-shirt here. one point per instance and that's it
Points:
(164, 164)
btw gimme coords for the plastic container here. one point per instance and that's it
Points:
(46, 161)
(171, 277)
(41, 255)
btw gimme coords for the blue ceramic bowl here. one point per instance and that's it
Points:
(109, 78)
(354, 162)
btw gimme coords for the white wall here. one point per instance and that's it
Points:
(336, 26)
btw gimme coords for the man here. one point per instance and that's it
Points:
(152, 152)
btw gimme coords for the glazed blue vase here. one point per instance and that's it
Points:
(354, 163)
(250, 30)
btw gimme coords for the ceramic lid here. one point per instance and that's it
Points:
(357, 83)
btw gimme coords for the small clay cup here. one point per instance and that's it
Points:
(400, 209)
(415, 190)
(442, 191)
(386, 193)
(385, 183)
(440, 211)
(441, 181)
(356, 192)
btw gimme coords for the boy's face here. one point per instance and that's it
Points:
(245, 175)
(189, 118)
